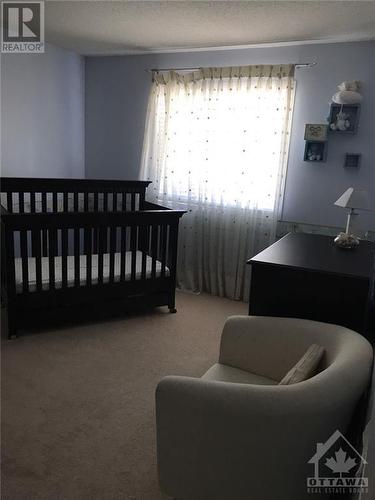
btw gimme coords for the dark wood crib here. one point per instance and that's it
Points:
(75, 243)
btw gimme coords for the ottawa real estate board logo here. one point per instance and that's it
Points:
(22, 27)
(338, 468)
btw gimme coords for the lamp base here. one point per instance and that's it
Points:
(345, 240)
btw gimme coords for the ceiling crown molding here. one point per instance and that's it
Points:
(173, 50)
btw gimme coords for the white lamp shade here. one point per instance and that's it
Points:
(354, 198)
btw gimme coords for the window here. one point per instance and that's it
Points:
(219, 139)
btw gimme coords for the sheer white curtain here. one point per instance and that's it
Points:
(216, 143)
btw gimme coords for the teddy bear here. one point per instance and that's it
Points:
(342, 123)
(348, 93)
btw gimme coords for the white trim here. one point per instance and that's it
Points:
(172, 50)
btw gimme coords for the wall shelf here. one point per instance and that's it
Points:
(351, 113)
(315, 151)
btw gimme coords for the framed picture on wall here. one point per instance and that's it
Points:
(344, 118)
(315, 151)
(316, 132)
(352, 160)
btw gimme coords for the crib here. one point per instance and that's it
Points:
(69, 243)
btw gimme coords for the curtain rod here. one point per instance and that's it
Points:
(297, 66)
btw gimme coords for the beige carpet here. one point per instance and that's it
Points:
(78, 402)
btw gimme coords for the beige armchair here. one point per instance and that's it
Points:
(235, 434)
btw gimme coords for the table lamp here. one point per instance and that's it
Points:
(351, 199)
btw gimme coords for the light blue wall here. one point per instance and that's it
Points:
(116, 101)
(42, 114)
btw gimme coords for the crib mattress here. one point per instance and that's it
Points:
(94, 272)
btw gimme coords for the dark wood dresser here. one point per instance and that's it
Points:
(308, 276)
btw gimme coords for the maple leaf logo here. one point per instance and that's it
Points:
(340, 464)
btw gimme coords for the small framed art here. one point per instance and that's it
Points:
(316, 132)
(352, 160)
(315, 151)
(344, 118)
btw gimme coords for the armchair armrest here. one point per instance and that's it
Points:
(209, 435)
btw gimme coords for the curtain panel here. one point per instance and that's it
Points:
(216, 144)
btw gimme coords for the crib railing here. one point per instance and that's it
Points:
(153, 232)
(69, 242)
(35, 195)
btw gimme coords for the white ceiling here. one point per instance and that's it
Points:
(107, 27)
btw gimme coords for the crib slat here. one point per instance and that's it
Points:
(144, 255)
(32, 202)
(141, 200)
(102, 241)
(76, 257)
(21, 202)
(44, 202)
(32, 210)
(44, 233)
(154, 249)
(66, 201)
(133, 202)
(163, 236)
(10, 202)
(123, 253)
(172, 250)
(143, 234)
(25, 262)
(37, 252)
(64, 258)
(75, 204)
(96, 207)
(86, 202)
(115, 201)
(52, 246)
(124, 202)
(88, 252)
(105, 209)
(112, 252)
(54, 201)
(96, 201)
(133, 248)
